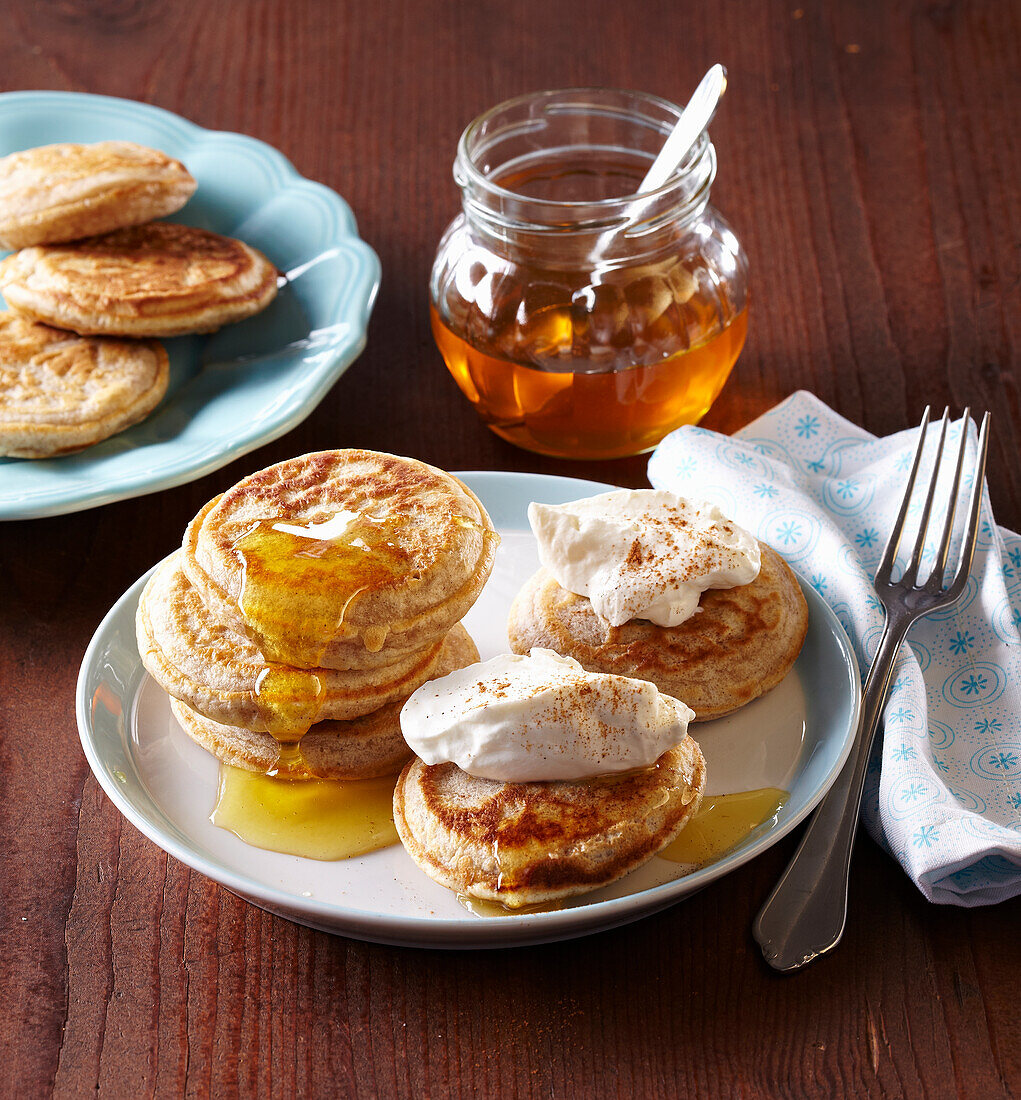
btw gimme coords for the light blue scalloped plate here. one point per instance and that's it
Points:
(248, 383)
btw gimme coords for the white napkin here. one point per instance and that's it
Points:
(944, 787)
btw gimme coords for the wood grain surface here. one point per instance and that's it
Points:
(869, 160)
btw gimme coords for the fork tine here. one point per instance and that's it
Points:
(893, 542)
(911, 572)
(935, 581)
(974, 506)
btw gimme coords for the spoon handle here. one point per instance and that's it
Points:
(694, 119)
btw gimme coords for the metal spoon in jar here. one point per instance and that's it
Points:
(694, 119)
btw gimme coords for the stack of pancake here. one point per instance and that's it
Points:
(95, 279)
(307, 603)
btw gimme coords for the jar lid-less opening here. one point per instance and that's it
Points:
(525, 134)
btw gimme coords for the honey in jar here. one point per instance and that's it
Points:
(579, 319)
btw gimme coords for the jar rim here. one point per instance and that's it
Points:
(467, 174)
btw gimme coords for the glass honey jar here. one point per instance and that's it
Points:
(580, 319)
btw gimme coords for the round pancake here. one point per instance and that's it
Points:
(223, 676)
(150, 280)
(341, 653)
(740, 643)
(63, 192)
(417, 551)
(60, 392)
(533, 843)
(357, 749)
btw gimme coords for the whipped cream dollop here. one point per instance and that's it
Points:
(643, 553)
(527, 719)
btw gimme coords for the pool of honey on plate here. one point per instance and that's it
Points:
(324, 819)
(480, 907)
(585, 359)
(290, 809)
(722, 822)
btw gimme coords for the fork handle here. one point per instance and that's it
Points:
(805, 914)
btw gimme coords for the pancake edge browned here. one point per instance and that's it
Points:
(359, 748)
(206, 308)
(553, 877)
(421, 616)
(326, 751)
(644, 650)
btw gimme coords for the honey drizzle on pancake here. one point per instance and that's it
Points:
(723, 821)
(297, 587)
(289, 701)
(333, 561)
(325, 819)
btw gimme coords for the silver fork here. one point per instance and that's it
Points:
(807, 910)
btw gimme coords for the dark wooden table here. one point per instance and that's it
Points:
(869, 160)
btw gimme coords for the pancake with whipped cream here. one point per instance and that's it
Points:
(538, 781)
(159, 279)
(646, 584)
(225, 677)
(360, 748)
(63, 192)
(334, 557)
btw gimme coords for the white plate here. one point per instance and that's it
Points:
(795, 738)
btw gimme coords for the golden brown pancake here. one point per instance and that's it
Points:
(60, 392)
(223, 676)
(339, 654)
(356, 749)
(150, 280)
(417, 549)
(64, 192)
(533, 843)
(740, 643)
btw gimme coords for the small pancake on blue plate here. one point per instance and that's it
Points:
(63, 192)
(158, 279)
(60, 392)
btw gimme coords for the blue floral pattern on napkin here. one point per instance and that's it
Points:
(944, 787)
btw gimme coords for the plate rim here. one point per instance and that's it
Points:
(51, 500)
(445, 933)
